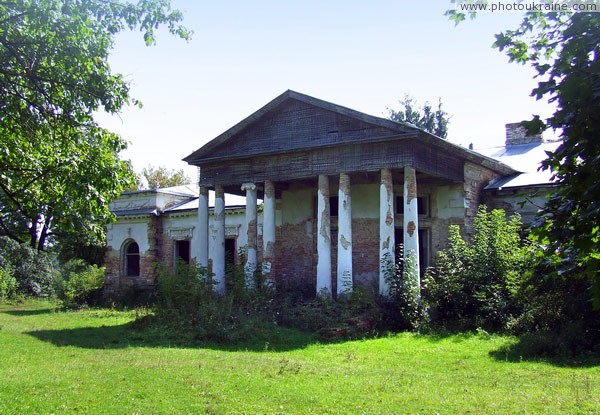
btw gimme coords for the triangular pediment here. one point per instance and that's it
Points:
(294, 122)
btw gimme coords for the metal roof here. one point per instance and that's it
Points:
(231, 202)
(526, 159)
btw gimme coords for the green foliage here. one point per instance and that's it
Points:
(557, 316)
(59, 168)
(187, 303)
(8, 283)
(33, 270)
(185, 290)
(563, 50)
(352, 315)
(434, 122)
(82, 283)
(153, 177)
(403, 309)
(475, 283)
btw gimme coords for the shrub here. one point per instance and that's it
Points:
(33, 270)
(186, 289)
(474, 283)
(8, 283)
(558, 317)
(82, 283)
(403, 308)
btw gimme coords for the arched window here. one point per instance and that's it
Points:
(132, 259)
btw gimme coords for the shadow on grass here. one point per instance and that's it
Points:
(534, 347)
(278, 339)
(33, 312)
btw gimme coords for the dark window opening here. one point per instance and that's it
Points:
(182, 251)
(422, 205)
(132, 260)
(423, 246)
(334, 203)
(230, 251)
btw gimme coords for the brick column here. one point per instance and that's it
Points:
(411, 220)
(387, 241)
(252, 233)
(268, 227)
(344, 253)
(323, 238)
(218, 240)
(203, 227)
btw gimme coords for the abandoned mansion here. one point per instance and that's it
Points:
(317, 194)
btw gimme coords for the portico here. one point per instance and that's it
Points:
(339, 189)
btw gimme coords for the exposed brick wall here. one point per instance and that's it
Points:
(517, 134)
(476, 178)
(295, 253)
(365, 252)
(112, 263)
(116, 284)
(527, 202)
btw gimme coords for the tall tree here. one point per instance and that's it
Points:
(58, 168)
(159, 177)
(564, 49)
(435, 122)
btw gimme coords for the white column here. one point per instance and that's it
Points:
(411, 221)
(268, 227)
(323, 238)
(387, 241)
(203, 227)
(252, 233)
(344, 252)
(218, 240)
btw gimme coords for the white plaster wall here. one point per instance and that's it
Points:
(148, 199)
(297, 205)
(133, 201)
(448, 201)
(174, 222)
(119, 232)
(365, 201)
(532, 200)
(191, 221)
(165, 200)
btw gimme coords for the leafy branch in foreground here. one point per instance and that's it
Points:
(564, 50)
(58, 168)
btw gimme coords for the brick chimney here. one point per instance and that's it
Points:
(517, 134)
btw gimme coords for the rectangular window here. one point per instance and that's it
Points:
(334, 203)
(424, 244)
(422, 205)
(231, 254)
(182, 251)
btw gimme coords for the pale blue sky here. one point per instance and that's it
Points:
(362, 55)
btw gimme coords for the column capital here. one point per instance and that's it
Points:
(248, 186)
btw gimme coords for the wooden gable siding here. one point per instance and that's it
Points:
(296, 125)
(334, 160)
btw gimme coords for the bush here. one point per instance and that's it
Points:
(82, 283)
(556, 309)
(403, 308)
(33, 270)
(474, 284)
(186, 301)
(8, 283)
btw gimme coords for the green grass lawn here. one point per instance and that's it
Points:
(97, 362)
